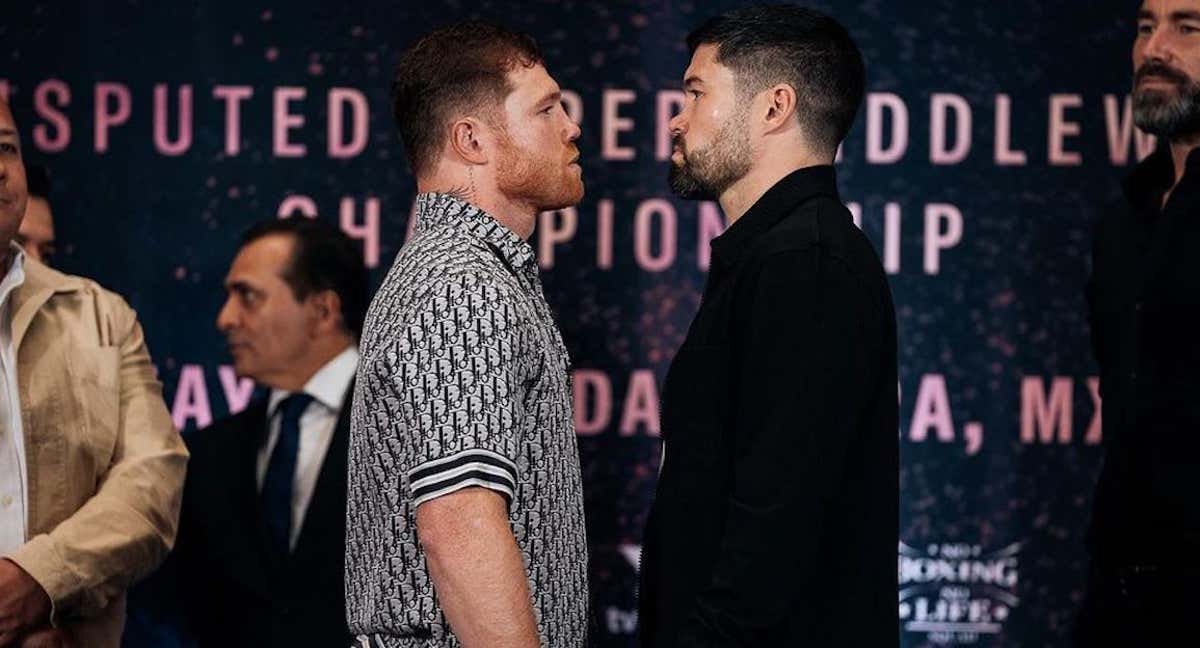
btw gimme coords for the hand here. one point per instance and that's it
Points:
(47, 638)
(24, 605)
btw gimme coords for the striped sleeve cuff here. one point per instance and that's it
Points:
(475, 467)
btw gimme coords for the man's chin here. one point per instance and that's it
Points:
(242, 368)
(1164, 117)
(11, 216)
(568, 197)
(686, 186)
(1155, 97)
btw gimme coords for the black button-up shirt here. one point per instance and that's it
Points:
(1144, 307)
(776, 513)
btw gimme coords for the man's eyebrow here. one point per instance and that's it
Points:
(1184, 14)
(554, 97)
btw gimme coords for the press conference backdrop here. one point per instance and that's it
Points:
(991, 135)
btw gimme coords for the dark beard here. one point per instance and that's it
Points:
(685, 184)
(707, 173)
(545, 184)
(1160, 114)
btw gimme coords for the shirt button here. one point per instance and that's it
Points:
(6, 501)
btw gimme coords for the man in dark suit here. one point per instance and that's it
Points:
(1144, 311)
(263, 528)
(776, 513)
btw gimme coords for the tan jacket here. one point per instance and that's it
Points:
(105, 464)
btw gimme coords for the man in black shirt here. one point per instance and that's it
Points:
(775, 520)
(1144, 302)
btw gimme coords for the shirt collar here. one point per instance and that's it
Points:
(772, 207)
(328, 386)
(434, 209)
(1145, 185)
(16, 272)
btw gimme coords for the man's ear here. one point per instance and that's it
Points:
(780, 107)
(468, 140)
(326, 308)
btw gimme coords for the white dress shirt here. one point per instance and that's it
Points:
(328, 388)
(13, 499)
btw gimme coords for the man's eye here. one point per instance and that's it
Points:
(8, 147)
(247, 297)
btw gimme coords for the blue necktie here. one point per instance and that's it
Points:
(281, 472)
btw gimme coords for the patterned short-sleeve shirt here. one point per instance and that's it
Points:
(463, 381)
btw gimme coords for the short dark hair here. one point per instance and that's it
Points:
(323, 258)
(37, 178)
(812, 52)
(451, 70)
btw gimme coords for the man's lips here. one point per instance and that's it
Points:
(1157, 73)
(1157, 80)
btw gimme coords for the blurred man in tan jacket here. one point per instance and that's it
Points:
(91, 467)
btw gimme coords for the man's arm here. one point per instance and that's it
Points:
(124, 531)
(460, 472)
(477, 569)
(800, 380)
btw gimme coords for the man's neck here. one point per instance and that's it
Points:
(518, 216)
(741, 195)
(322, 354)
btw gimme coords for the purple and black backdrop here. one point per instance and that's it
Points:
(992, 134)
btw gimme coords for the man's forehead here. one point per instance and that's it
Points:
(532, 82)
(1168, 7)
(244, 274)
(269, 253)
(8, 125)
(704, 66)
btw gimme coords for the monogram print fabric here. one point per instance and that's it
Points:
(464, 381)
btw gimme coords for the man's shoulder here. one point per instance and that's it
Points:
(62, 285)
(444, 256)
(218, 457)
(446, 246)
(426, 269)
(821, 226)
(218, 439)
(75, 311)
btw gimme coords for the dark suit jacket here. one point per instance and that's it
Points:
(776, 515)
(235, 591)
(1144, 308)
